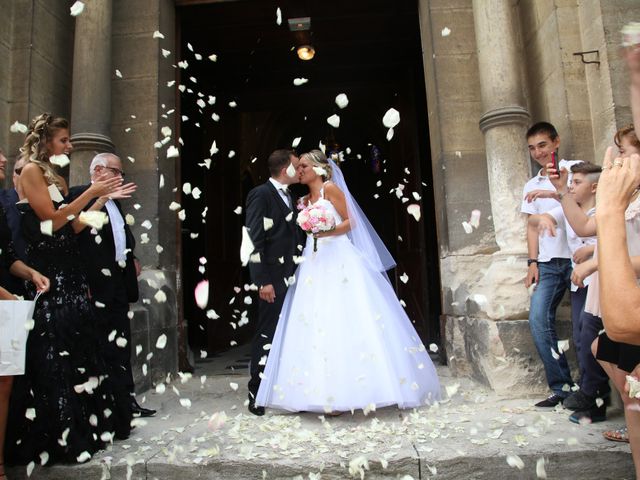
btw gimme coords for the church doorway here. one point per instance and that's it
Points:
(243, 86)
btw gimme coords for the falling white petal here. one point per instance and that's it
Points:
(334, 121)
(291, 171)
(342, 100)
(17, 127)
(404, 278)
(300, 81)
(474, 221)
(246, 247)
(214, 149)
(60, 160)
(414, 209)
(77, 8)
(467, 227)
(202, 294)
(267, 223)
(515, 461)
(389, 134)
(445, 32)
(391, 118)
(161, 342)
(46, 227)
(172, 152)
(94, 218)
(157, 34)
(278, 16)
(296, 142)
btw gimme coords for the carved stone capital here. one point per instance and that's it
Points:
(512, 114)
(94, 142)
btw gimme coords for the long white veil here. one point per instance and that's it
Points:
(362, 234)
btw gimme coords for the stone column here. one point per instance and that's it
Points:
(91, 92)
(504, 123)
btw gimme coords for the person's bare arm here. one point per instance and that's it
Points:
(337, 198)
(532, 248)
(35, 189)
(619, 292)
(25, 272)
(6, 295)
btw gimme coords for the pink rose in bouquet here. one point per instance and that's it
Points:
(315, 219)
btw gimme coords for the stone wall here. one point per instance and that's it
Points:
(141, 106)
(36, 53)
(457, 145)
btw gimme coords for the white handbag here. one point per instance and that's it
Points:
(16, 320)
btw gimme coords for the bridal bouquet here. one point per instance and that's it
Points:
(314, 219)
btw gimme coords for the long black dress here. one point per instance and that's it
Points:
(65, 381)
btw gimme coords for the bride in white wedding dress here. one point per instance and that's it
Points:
(343, 340)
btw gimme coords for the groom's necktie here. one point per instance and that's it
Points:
(286, 196)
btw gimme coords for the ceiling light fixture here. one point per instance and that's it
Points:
(306, 52)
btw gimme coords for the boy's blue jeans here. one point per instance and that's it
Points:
(554, 279)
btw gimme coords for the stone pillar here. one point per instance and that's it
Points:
(91, 91)
(504, 121)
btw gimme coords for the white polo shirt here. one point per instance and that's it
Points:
(573, 240)
(548, 247)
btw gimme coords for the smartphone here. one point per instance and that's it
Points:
(554, 160)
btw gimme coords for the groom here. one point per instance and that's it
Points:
(271, 222)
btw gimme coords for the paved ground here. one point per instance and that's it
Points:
(474, 435)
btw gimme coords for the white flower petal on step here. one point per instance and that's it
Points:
(414, 210)
(300, 81)
(246, 247)
(334, 121)
(234, 386)
(160, 388)
(391, 118)
(515, 461)
(76, 9)
(17, 127)
(60, 160)
(185, 402)
(540, 470)
(342, 100)
(161, 342)
(445, 32)
(474, 221)
(217, 421)
(201, 294)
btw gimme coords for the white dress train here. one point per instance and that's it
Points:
(343, 341)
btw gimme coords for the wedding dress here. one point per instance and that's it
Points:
(343, 340)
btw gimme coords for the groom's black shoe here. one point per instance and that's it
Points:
(258, 411)
(138, 411)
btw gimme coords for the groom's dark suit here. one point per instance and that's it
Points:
(276, 246)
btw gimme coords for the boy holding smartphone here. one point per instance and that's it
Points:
(549, 263)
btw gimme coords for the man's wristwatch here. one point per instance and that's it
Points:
(532, 260)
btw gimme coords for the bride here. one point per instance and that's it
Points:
(343, 341)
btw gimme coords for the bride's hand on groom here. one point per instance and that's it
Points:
(267, 293)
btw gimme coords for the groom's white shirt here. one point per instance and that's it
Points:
(281, 188)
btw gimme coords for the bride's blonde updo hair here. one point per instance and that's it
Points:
(319, 159)
(41, 130)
